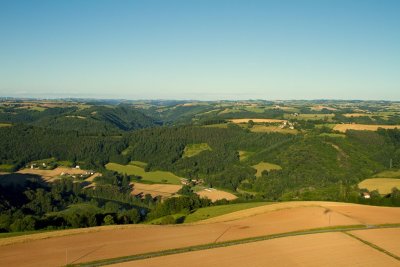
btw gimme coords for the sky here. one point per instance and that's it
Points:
(200, 49)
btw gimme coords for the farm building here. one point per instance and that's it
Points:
(366, 195)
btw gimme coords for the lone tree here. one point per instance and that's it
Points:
(250, 124)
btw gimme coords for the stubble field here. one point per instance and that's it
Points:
(110, 242)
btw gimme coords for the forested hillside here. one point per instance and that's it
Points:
(94, 119)
(292, 153)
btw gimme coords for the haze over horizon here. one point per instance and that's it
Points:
(203, 50)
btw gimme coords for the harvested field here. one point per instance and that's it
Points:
(163, 190)
(362, 213)
(269, 129)
(388, 239)
(257, 120)
(370, 215)
(214, 194)
(49, 175)
(362, 127)
(383, 185)
(213, 211)
(106, 244)
(117, 241)
(327, 249)
(285, 220)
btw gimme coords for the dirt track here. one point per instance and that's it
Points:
(131, 240)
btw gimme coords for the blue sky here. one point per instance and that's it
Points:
(199, 49)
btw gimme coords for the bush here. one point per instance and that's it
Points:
(109, 220)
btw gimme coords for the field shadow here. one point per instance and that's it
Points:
(20, 179)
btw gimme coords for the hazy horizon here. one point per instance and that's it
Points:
(78, 97)
(201, 50)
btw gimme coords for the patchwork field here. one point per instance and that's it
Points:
(383, 185)
(163, 190)
(215, 194)
(153, 176)
(362, 127)
(317, 249)
(265, 166)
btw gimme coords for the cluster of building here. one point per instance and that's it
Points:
(287, 124)
(185, 181)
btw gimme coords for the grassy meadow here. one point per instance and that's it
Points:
(265, 166)
(6, 167)
(195, 149)
(388, 174)
(161, 177)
